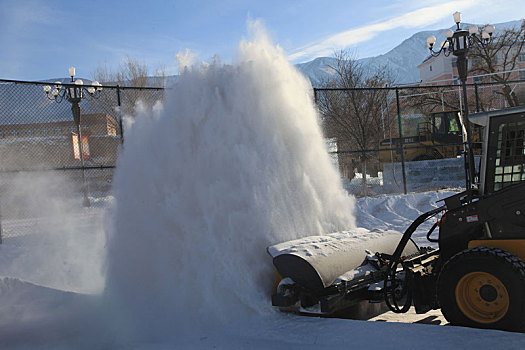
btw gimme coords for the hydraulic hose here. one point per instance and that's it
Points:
(392, 284)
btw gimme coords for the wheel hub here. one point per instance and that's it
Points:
(482, 297)
(488, 293)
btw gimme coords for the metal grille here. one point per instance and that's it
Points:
(42, 158)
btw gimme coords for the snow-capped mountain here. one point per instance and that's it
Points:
(401, 60)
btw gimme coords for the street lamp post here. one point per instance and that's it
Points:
(74, 93)
(458, 42)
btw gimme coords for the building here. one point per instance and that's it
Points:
(92, 124)
(442, 70)
(51, 144)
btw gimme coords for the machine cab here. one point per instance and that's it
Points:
(503, 155)
(446, 126)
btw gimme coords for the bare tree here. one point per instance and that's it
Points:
(131, 72)
(354, 117)
(130, 77)
(431, 99)
(499, 59)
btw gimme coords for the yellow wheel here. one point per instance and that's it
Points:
(483, 287)
(482, 297)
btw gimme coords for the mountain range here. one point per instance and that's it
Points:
(402, 60)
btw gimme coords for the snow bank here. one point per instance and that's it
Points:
(397, 212)
(233, 162)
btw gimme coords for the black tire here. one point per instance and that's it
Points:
(483, 287)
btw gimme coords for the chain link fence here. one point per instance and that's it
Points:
(52, 165)
(384, 140)
(406, 138)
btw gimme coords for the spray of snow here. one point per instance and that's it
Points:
(185, 59)
(49, 238)
(234, 162)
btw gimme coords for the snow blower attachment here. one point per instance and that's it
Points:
(329, 274)
(319, 261)
(476, 276)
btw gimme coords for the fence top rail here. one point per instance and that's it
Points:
(395, 87)
(84, 85)
(406, 87)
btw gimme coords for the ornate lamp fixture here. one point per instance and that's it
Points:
(74, 92)
(458, 42)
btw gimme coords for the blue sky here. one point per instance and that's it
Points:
(41, 39)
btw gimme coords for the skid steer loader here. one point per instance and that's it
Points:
(476, 276)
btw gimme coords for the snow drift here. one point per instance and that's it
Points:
(232, 162)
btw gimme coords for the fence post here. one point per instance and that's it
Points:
(75, 110)
(477, 96)
(120, 116)
(1, 233)
(401, 142)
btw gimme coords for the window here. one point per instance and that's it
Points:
(453, 126)
(510, 155)
(438, 124)
(521, 57)
(522, 74)
(431, 68)
(111, 129)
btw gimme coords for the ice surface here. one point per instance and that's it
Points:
(233, 162)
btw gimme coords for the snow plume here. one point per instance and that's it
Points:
(51, 239)
(185, 60)
(233, 162)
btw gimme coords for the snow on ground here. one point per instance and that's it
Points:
(36, 317)
(48, 237)
(396, 212)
